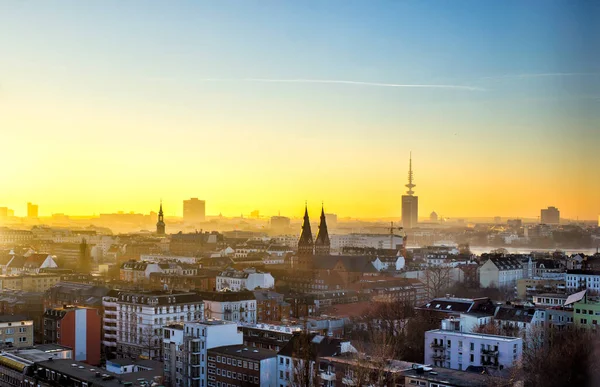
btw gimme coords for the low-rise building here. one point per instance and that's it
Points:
(238, 365)
(460, 350)
(15, 331)
(500, 272)
(578, 280)
(230, 306)
(586, 311)
(29, 282)
(247, 279)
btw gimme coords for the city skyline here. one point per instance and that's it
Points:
(108, 105)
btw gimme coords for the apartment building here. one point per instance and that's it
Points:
(239, 365)
(247, 279)
(186, 346)
(230, 306)
(459, 350)
(134, 320)
(15, 332)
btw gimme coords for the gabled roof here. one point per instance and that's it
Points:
(352, 263)
(34, 261)
(509, 313)
(320, 346)
(17, 262)
(506, 263)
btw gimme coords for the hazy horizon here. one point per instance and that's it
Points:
(110, 104)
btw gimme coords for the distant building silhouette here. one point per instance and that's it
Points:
(160, 225)
(194, 210)
(550, 215)
(410, 203)
(32, 210)
(433, 217)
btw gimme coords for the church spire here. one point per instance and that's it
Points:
(160, 225)
(305, 243)
(322, 243)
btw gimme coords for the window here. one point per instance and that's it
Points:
(472, 358)
(22, 339)
(472, 348)
(22, 329)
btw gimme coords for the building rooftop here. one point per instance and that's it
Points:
(13, 318)
(474, 335)
(97, 376)
(447, 376)
(245, 352)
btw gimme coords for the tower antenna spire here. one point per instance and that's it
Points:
(410, 184)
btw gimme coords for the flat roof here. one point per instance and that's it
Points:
(453, 377)
(13, 318)
(244, 351)
(474, 335)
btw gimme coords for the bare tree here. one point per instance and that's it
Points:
(304, 359)
(553, 357)
(437, 280)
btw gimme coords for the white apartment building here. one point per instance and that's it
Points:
(377, 241)
(230, 306)
(185, 347)
(578, 279)
(134, 320)
(459, 350)
(248, 279)
(500, 272)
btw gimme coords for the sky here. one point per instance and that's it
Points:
(112, 105)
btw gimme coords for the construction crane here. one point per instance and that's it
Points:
(392, 228)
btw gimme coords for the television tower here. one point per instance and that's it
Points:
(410, 184)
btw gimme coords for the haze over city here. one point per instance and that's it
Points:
(112, 106)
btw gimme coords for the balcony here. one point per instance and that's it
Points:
(347, 381)
(438, 356)
(327, 375)
(490, 352)
(437, 345)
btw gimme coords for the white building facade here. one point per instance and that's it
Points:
(186, 346)
(248, 279)
(459, 350)
(133, 326)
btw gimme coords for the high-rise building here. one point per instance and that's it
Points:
(550, 215)
(194, 210)
(32, 210)
(280, 223)
(410, 203)
(160, 225)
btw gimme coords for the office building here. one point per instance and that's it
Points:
(550, 215)
(194, 210)
(410, 203)
(77, 328)
(32, 210)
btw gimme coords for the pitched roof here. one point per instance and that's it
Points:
(319, 345)
(34, 261)
(352, 263)
(18, 262)
(515, 314)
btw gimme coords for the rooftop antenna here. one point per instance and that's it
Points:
(410, 184)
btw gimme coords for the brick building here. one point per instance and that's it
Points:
(238, 365)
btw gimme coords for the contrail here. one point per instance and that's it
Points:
(536, 75)
(342, 82)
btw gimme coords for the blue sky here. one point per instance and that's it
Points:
(138, 76)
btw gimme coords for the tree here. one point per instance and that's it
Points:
(304, 357)
(553, 357)
(437, 280)
(85, 263)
